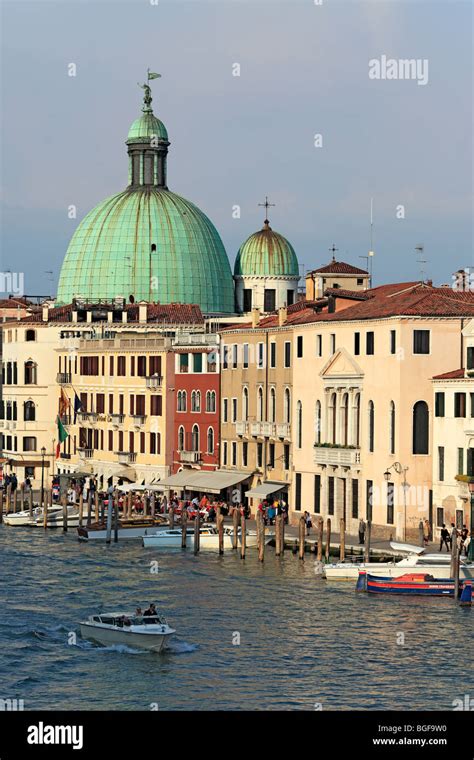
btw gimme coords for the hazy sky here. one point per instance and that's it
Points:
(304, 70)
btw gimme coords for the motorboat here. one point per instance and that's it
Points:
(416, 561)
(128, 528)
(412, 584)
(55, 517)
(251, 538)
(19, 518)
(144, 632)
(172, 538)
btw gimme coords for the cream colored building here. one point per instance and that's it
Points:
(333, 276)
(453, 438)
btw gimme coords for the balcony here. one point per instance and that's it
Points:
(336, 455)
(190, 457)
(283, 429)
(66, 419)
(138, 420)
(117, 419)
(154, 382)
(64, 378)
(86, 453)
(265, 429)
(241, 428)
(126, 457)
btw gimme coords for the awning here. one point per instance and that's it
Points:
(265, 489)
(141, 487)
(128, 473)
(204, 480)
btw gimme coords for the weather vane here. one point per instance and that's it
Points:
(267, 206)
(147, 99)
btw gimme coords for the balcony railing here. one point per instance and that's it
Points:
(336, 455)
(88, 416)
(241, 428)
(117, 419)
(65, 419)
(283, 429)
(154, 382)
(138, 419)
(190, 457)
(64, 378)
(126, 457)
(85, 453)
(265, 429)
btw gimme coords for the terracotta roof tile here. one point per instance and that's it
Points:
(339, 267)
(453, 375)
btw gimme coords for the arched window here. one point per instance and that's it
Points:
(208, 401)
(30, 335)
(357, 420)
(198, 401)
(272, 405)
(29, 411)
(299, 424)
(245, 404)
(183, 401)
(195, 438)
(210, 440)
(287, 406)
(333, 417)
(317, 422)
(345, 419)
(181, 438)
(30, 373)
(213, 401)
(392, 427)
(420, 428)
(179, 399)
(260, 404)
(371, 426)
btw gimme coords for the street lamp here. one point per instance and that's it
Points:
(471, 524)
(399, 469)
(43, 454)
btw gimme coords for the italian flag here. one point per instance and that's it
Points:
(62, 435)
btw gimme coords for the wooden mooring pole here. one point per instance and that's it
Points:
(235, 522)
(319, 555)
(184, 528)
(110, 502)
(367, 541)
(171, 517)
(243, 536)
(261, 539)
(22, 497)
(278, 521)
(116, 517)
(302, 536)
(342, 544)
(220, 528)
(89, 509)
(328, 538)
(31, 503)
(64, 506)
(81, 509)
(15, 499)
(9, 496)
(45, 508)
(96, 506)
(455, 563)
(1, 505)
(197, 535)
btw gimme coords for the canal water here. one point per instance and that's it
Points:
(304, 642)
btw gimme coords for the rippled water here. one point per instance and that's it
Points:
(302, 640)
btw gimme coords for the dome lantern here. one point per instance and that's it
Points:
(148, 144)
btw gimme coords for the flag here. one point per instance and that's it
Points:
(77, 406)
(62, 435)
(64, 403)
(153, 75)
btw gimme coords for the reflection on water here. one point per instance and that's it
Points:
(302, 640)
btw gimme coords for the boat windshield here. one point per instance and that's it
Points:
(125, 621)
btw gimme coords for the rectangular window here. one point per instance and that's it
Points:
(441, 463)
(89, 365)
(460, 462)
(111, 366)
(224, 453)
(317, 494)
(111, 403)
(142, 443)
(470, 462)
(154, 364)
(390, 497)
(439, 404)
(393, 341)
(355, 498)
(155, 443)
(271, 455)
(234, 410)
(369, 344)
(132, 366)
(333, 343)
(470, 357)
(421, 341)
(245, 358)
(459, 404)
(140, 404)
(368, 498)
(156, 406)
(121, 403)
(245, 453)
(319, 345)
(273, 347)
(330, 495)
(439, 517)
(100, 403)
(197, 362)
(29, 443)
(121, 366)
(298, 491)
(356, 344)
(269, 299)
(260, 356)
(290, 297)
(286, 456)
(287, 354)
(259, 454)
(183, 363)
(471, 395)
(132, 404)
(234, 356)
(120, 440)
(111, 440)
(141, 366)
(225, 410)
(247, 299)
(234, 453)
(299, 346)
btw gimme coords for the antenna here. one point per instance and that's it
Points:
(371, 249)
(420, 249)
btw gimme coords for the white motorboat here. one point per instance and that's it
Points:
(143, 632)
(416, 561)
(172, 537)
(55, 517)
(133, 528)
(251, 541)
(19, 518)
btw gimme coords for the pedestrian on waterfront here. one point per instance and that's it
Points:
(362, 527)
(27, 484)
(464, 535)
(14, 483)
(308, 522)
(444, 538)
(426, 532)
(284, 509)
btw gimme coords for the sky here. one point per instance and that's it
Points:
(304, 71)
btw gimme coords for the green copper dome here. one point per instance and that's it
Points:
(147, 126)
(266, 253)
(146, 241)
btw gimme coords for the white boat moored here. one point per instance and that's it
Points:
(144, 632)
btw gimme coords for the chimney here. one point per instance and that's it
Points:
(74, 315)
(142, 312)
(255, 317)
(110, 316)
(282, 315)
(45, 312)
(124, 315)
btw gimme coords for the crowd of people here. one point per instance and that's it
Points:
(461, 536)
